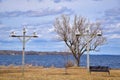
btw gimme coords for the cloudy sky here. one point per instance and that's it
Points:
(39, 16)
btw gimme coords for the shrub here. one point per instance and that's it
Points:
(69, 63)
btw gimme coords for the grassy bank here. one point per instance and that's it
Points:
(40, 73)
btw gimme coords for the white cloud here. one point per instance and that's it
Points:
(113, 36)
(51, 29)
(112, 28)
(24, 5)
(37, 13)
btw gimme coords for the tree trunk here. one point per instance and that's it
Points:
(77, 62)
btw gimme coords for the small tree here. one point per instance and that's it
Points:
(67, 62)
(77, 44)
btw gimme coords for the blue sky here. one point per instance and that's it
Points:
(39, 16)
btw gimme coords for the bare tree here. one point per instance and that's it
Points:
(77, 44)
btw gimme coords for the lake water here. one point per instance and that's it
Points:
(113, 61)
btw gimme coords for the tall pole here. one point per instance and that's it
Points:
(23, 53)
(23, 38)
(88, 61)
(88, 39)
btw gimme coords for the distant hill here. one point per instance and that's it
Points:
(12, 52)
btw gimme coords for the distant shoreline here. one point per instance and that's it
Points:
(12, 52)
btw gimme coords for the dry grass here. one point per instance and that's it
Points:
(40, 73)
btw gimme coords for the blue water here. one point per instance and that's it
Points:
(113, 61)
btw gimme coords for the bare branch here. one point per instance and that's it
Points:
(67, 33)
